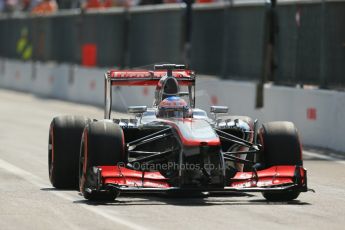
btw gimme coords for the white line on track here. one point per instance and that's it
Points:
(323, 157)
(31, 178)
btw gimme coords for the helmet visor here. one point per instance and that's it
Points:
(172, 112)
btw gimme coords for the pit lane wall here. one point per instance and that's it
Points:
(318, 114)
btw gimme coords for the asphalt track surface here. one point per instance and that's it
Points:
(28, 201)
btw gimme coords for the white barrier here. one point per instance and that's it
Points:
(88, 87)
(318, 114)
(17, 75)
(43, 79)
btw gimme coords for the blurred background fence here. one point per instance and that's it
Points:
(292, 42)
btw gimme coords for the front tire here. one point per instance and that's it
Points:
(63, 152)
(281, 146)
(102, 145)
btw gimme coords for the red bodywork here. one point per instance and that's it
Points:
(273, 176)
(128, 177)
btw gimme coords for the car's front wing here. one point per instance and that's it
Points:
(273, 179)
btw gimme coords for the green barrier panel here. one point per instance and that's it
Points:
(334, 45)
(298, 44)
(243, 46)
(3, 37)
(64, 38)
(107, 32)
(12, 28)
(286, 45)
(155, 36)
(207, 41)
(310, 45)
(41, 37)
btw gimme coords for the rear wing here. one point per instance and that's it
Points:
(144, 78)
(150, 78)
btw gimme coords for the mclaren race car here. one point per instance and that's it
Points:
(173, 146)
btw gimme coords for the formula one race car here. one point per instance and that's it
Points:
(173, 146)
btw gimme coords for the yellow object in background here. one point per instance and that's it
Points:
(24, 48)
(27, 54)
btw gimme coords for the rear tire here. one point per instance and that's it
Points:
(281, 146)
(63, 152)
(102, 145)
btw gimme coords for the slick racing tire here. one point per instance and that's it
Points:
(102, 145)
(281, 146)
(63, 150)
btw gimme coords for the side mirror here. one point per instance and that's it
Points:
(219, 109)
(137, 109)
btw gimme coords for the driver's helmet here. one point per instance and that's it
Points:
(173, 107)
